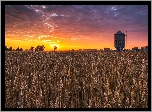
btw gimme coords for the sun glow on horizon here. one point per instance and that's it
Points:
(63, 45)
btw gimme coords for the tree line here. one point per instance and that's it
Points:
(38, 48)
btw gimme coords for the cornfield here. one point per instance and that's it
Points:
(89, 79)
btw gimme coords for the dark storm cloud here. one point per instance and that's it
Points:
(75, 19)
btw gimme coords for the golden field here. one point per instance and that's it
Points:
(76, 79)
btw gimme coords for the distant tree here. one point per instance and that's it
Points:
(36, 49)
(43, 47)
(20, 49)
(55, 48)
(10, 49)
(32, 48)
(17, 49)
(39, 48)
(6, 49)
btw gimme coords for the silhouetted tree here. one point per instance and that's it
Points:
(6, 49)
(17, 49)
(55, 48)
(32, 48)
(10, 49)
(39, 48)
(21, 49)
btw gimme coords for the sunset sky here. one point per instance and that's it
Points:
(75, 26)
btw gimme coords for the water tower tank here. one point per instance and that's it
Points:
(119, 41)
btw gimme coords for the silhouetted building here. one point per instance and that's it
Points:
(119, 41)
(145, 48)
(135, 49)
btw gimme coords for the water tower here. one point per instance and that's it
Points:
(119, 40)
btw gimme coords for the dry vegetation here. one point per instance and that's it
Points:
(76, 80)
